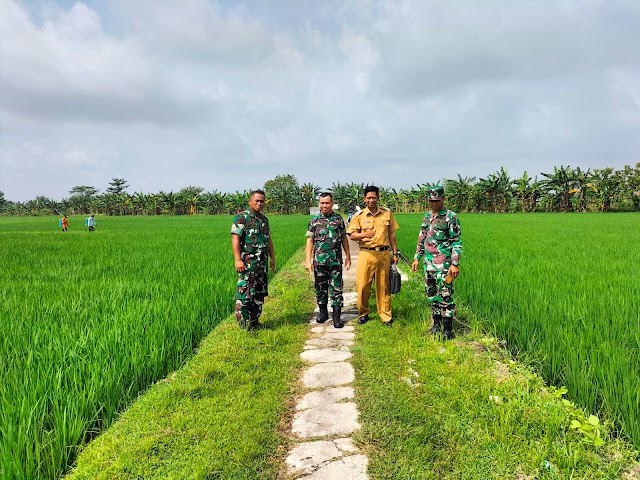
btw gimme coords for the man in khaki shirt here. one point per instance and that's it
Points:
(374, 230)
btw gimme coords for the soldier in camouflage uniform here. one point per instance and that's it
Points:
(326, 238)
(439, 242)
(252, 248)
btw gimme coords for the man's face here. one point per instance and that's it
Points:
(326, 205)
(436, 205)
(371, 200)
(256, 202)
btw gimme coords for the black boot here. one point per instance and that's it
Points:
(323, 316)
(447, 333)
(437, 325)
(255, 325)
(337, 322)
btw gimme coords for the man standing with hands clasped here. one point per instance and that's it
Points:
(252, 249)
(326, 237)
(374, 229)
(440, 245)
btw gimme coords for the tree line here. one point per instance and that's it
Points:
(566, 189)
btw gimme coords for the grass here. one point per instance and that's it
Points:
(464, 410)
(561, 290)
(89, 320)
(218, 417)
(461, 409)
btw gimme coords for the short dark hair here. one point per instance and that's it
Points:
(326, 194)
(253, 192)
(371, 188)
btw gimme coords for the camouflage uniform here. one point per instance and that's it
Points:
(439, 242)
(253, 230)
(327, 232)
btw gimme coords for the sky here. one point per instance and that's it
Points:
(225, 95)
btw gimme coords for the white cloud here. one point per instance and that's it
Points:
(370, 90)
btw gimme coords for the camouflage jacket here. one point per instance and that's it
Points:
(327, 232)
(439, 240)
(253, 230)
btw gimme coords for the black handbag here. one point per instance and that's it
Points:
(394, 279)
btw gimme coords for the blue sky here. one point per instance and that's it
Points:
(226, 95)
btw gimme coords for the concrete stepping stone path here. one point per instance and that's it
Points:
(326, 415)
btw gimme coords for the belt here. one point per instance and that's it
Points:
(377, 249)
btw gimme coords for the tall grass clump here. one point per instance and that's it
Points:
(89, 320)
(564, 291)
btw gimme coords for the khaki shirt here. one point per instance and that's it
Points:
(382, 224)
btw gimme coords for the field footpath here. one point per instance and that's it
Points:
(326, 414)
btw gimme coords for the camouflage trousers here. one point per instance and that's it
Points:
(439, 293)
(328, 282)
(250, 292)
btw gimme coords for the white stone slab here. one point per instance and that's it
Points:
(346, 445)
(315, 399)
(332, 329)
(340, 393)
(324, 355)
(328, 375)
(310, 347)
(326, 420)
(339, 336)
(317, 329)
(308, 457)
(329, 343)
(347, 468)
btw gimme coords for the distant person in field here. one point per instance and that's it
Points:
(64, 223)
(253, 252)
(440, 245)
(326, 237)
(91, 223)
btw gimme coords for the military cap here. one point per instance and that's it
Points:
(436, 192)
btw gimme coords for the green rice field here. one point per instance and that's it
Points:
(89, 320)
(564, 291)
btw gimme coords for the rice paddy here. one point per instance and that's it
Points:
(88, 320)
(564, 291)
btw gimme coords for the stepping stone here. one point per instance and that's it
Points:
(326, 342)
(347, 468)
(317, 329)
(339, 336)
(321, 397)
(328, 375)
(346, 445)
(324, 355)
(346, 328)
(308, 457)
(325, 420)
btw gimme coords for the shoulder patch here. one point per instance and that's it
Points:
(357, 213)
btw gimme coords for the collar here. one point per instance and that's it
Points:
(366, 211)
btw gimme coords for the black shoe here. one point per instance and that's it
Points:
(363, 319)
(255, 326)
(389, 323)
(337, 322)
(437, 325)
(447, 333)
(323, 316)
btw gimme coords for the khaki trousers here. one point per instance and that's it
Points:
(374, 265)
